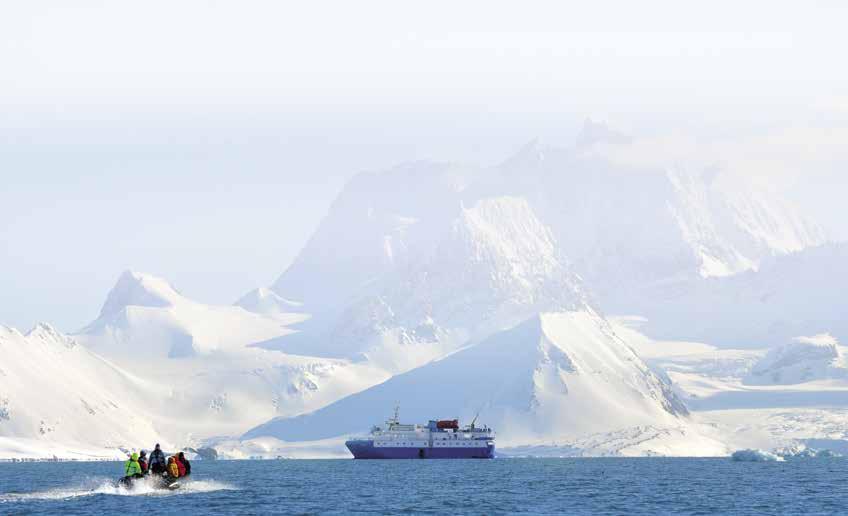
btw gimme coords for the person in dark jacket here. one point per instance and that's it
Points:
(142, 461)
(181, 457)
(157, 461)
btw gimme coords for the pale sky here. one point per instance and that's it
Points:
(203, 141)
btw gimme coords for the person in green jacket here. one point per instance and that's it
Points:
(132, 467)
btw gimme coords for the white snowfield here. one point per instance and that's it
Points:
(119, 383)
(144, 312)
(494, 266)
(265, 301)
(805, 359)
(792, 394)
(790, 295)
(59, 398)
(456, 290)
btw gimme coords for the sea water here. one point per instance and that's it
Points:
(500, 486)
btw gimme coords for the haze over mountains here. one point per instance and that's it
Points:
(453, 290)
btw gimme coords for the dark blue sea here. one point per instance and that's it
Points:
(501, 486)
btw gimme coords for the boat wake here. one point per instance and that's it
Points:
(102, 486)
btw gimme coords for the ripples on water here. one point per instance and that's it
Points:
(533, 486)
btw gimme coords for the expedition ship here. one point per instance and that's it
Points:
(439, 439)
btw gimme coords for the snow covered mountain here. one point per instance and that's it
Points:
(440, 260)
(57, 397)
(627, 228)
(206, 357)
(378, 223)
(804, 359)
(156, 366)
(494, 265)
(145, 318)
(801, 293)
(557, 376)
(455, 289)
(626, 231)
(733, 230)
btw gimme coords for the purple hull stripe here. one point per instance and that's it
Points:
(364, 449)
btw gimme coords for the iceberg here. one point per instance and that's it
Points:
(802, 452)
(755, 456)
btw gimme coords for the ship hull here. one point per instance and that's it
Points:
(365, 449)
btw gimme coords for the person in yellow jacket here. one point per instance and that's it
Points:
(173, 469)
(132, 468)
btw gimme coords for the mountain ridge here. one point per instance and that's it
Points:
(568, 375)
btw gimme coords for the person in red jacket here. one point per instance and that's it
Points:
(180, 466)
(182, 458)
(142, 461)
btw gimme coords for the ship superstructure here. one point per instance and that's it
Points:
(438, 439)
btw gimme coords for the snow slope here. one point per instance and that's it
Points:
(634, 235)
(625, 226)
(57, 397)
(790, 395)
(556, 376)
(494, 265)
(217, 382)
(265, 302)
(145, 318)
(733, 230)
(802, 293)
(156, 366)
(378, 222)
(804, 359)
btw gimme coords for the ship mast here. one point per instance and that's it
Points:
(475, 419)
(394, 420)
